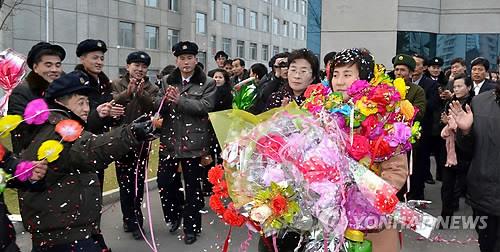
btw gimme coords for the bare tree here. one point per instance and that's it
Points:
(8, 9)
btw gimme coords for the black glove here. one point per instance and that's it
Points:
(143, 128)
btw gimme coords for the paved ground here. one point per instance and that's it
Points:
(214, 232)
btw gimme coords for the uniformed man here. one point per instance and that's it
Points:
(185, 138)
(404, 65)
(138, 95)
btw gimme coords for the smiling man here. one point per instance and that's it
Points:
(45, 61)
(138, 95)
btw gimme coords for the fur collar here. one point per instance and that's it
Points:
(103, 83)
(175, 77)
(36, 83)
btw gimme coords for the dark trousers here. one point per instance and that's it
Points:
(489, 236)
(454, 180)
(88, 245)
(417, 180)
(438, 149)
(130, 168)
(173, 202)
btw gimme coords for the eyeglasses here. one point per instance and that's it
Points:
(294, 71)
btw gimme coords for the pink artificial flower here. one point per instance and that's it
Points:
(357, 88)
(400, 135)
(24, 170)
(36, 112)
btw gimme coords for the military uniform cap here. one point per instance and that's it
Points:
(404, 59)
(436, 61)
(44, 48)
(90, 45)
(139, 57)
(76, 82)
(185, 47)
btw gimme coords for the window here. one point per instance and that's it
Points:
(240, 17)
(276, 2)
(285, 28)
(151, 37)
(151, 3)
(285, 49)
(294, 30)
(303, 7)
(173, 5)
(265, 23)
(126, 34)
(253, 51)
(226, 13)
(302, 32)
(213, 7)
(275, 26)
(253, 20)
(240, 49)
(202, 58)
(285, 4)
(226, 45)
(295, 5)
(276, 50)
(265, 52)
(201, 23)
(173, 37)
(213, 44)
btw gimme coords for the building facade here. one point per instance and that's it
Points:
(252, 30)
(444, 28)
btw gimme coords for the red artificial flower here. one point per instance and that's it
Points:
(359, 148)
(279, 205)
(368, 125)
(315, 169)
(379, 148)
(386, 199)
(216, 174)
(232, 217)
(313, 89)
(270, 146)
(70, 130)
(216, 204)
(221, 189)
(2, 152)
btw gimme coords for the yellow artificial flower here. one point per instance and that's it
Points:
(407, 109)
(366, 107)
(50, 150)
(9, 123)
(400, 85)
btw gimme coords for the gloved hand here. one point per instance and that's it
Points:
(143, 128)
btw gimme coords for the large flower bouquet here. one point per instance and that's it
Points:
(293, 172)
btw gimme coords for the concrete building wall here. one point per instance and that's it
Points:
(71, 21)
(374, 24)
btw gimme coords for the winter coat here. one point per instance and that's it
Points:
(432, 104)
(95, 124)
(7, 232)
(483, 177)
(276, 98)
(69, 209)
(263, 91)
(245, 75)
(394, 171)
(33, 87)
(135, 104)
(416, 95)
(223, 97)
(185, 131)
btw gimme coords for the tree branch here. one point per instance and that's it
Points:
(12, 8)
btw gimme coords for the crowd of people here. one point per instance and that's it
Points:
(458, 113)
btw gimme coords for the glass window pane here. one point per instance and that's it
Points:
(265, 23)
(226, 46)
(201, 22)
(253, 20)
(240, 21)
(151, 37)
(173, 37)
(276, 50)
(226, 13)
(253, 51)
(173, 5)
(417, 42)
(285, 28)
(265, 52)
(151, 3)
(240, 49)
(213, 44)
(213, 8)
(202, 58)
(275, 26)
(126, 34)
